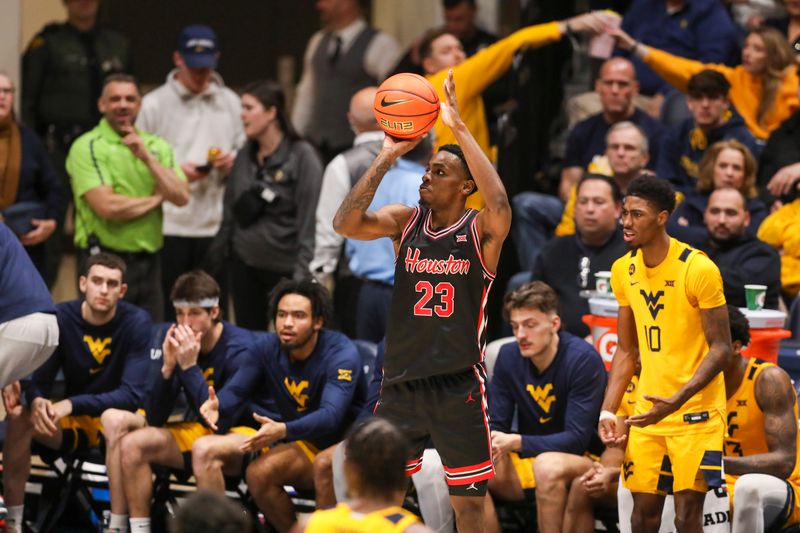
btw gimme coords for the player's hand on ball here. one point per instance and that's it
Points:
(662, 407)
(396, 147)
(450, 114)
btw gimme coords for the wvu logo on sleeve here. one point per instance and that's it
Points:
(296, 390)
(345, 374)
(652, 302)
(542, 396)
(207, 375)
(99, 349)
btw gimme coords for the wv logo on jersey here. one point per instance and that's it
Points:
(296, 390)
(542, 396)
(98, 348)
(652, 302)
(207, 375)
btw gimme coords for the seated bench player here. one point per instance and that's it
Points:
(312, 373)
(103, 353)
(199, 351)
(555, 381)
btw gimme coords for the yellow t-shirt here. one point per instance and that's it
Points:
(342, 519)
(666, 301)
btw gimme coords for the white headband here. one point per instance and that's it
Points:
(205, 302)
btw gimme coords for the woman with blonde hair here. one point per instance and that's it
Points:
(727, 163)
(763, 88)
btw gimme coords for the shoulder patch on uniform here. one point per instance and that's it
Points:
(345, 374)
(36, 42)
(394, 518)
(685, 254)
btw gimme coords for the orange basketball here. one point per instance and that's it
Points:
(406, 105)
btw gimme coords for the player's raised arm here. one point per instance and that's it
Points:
(494, 221)
(622, 369)
(352, 219)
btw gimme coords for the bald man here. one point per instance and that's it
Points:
(340, 175)
(536, 215)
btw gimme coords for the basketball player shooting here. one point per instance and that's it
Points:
(433, 381)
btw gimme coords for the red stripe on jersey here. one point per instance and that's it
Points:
(442, 232)
(485, 408)
(410, 224)
(476, 240)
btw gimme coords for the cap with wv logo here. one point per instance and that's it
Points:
(198, 46)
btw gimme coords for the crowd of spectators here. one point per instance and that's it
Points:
(193, 195)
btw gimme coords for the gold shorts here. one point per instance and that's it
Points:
(664, 464)
(80, 432)
(306, 447)
(524, 469)
(185, 433)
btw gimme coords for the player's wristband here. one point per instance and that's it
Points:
(607, 415)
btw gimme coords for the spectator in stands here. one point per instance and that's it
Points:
(312, 374)
(268, 217)
(30, 186)
(763, 88)
(344, 56)
(740, 256)
(762, 470)
(749, 14)
(118, 192)
(781, 230)
(28, 328)
(62, 76)
(199, 117)
(442, 51)
(568, 263)
(712, 120)
(459, 20)
(789, 25)
(374, 465)
(779, 164)
(695, 29)
(725, 164)
(207, 510)
(199, 351)
(373, 262)
(103, 354)
(555, 382)
(616, 87)
(63, 69)
(339, 177)
(626, 154)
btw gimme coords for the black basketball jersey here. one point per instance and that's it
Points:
(437, 322)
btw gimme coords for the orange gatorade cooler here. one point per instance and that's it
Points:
(603, 323)
(766, 332)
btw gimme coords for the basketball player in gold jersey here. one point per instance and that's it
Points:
(671, 306)
(761, 466)
(374, 466)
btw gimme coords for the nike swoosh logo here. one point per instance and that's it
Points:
(389, 103)
(95, 370)
(543, 420)
(634, 283)
(631, 402)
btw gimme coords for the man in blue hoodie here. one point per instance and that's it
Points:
(103, 353)
(713, 119)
